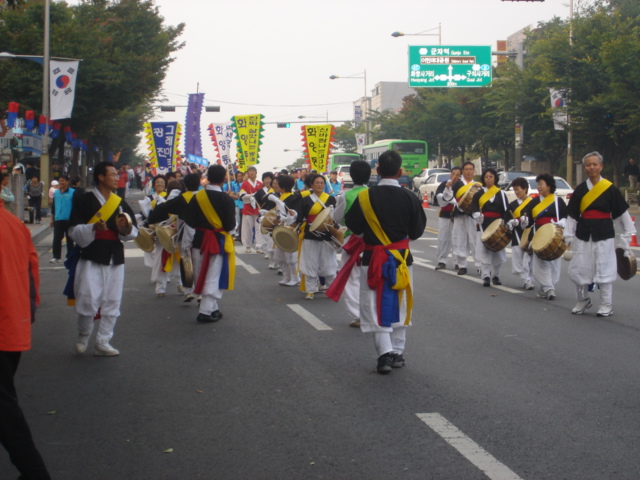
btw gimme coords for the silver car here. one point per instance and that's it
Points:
(421, 178)
(563, 190)
(431, 184)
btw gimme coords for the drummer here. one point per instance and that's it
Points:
(546, 208)
(317, 256)
(595, 207)
(447, 203)
(264, 242)
(464, 232)
(521, 260)
(287, 261)
(488, 205)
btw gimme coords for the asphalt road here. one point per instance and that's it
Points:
(498, 384)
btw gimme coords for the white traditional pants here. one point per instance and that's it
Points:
(248, 226)
(463, 239)
(351, 292)
(594, 262)
(445, 229)
(521, 264)
(490, 261)
(211, 292)
(317, 259)
(546, 273)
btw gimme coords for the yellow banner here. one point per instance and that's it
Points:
(317, 144)
(248, 130)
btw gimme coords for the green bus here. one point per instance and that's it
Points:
(337, 159)
(414, 153)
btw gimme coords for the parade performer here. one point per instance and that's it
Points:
(546, 208)
(489, 204)
(521, 261)
(317, 256)
(447, 202)
(264, 242)
(212, 214)
(594, 208)
(98, 229)
(249, 211)
(464, 232)
(387, 217)
(287, 203)
(347, 282)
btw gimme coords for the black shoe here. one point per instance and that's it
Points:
(384, 363)
(486, 282)
(217, 315)
(456, 267)
(441, 266)
(462, 271)
(204, 318)
(496, 281)
(398, 360)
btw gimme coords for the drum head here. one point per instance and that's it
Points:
(144, 240)
(126, 230)
(323, 217)
(285, 238)
(491, 229)
(186, 271)
(269, 221)
(543, 237)
(627, 266)
(165, 237)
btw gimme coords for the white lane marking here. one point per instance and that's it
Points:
(473, 452)
(314, 321)
(248, 268)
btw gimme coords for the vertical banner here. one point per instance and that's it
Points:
(163, 139)
(222, 135)
(192, 139)
(558, 104)
(62, 88)
(360, 139)
(357, 116)
(248, 130)
(316, 140)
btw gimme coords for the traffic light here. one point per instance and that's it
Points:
(167, 108)
(284, 125)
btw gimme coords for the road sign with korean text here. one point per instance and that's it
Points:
(449, 66)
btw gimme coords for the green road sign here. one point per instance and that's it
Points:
(449, 66)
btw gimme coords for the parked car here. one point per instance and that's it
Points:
(344, 176)
(421, 178)
(429, 187)
(405, 181)
(563, 189)
(505, 178)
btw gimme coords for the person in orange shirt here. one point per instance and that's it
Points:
(18, 275)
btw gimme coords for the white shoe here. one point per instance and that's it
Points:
(581, 306)
(81, 344)
(188, 297)
(54, 260)
(259, 251)
(322, 288)
(266, 256)
(272, 266)
(247, 250)
(180, 289)
(551, 294)
(529, 285)
(605, 311)
(282, 282)
(105, 350)
(292, 283)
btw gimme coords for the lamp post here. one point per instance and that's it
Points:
(422, 34)
(366, 100)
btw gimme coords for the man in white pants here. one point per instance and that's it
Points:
(445, 220)
(464, 233)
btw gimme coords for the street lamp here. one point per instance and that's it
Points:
(326, 117)
(367, 100)
(422, 34)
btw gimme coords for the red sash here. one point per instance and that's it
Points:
(107, 235)
(354, 247)
(491, 214)
(595, 214)
(543, 220)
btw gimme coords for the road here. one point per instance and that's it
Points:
(498, 384)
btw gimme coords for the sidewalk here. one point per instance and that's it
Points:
(39, 232)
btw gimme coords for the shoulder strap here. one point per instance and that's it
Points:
(107, 209)
(597, 190)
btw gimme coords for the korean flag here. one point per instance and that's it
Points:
(62, 80)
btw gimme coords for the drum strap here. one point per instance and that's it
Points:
(155, 201)
(188, 196)
(383, 274)
(543, 205)
(492, 192)
(462, 190)
(597, 190)
(106, 210)
(518, 211)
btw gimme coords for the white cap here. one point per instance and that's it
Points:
(54, 182)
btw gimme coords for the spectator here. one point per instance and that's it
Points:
(52, 190)
(34, 190)
(18, 275)
(632, 172)
(123, 180)
(334, 185)
(5, 193)
(60, 212)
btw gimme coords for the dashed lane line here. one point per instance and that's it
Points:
(247, 267)
(309, 317)
(469, 449)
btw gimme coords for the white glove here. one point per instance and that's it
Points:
(262, 213)
(272, 198)
(561, 223)
(568, 240)
(511, 224)
(245, 197)
(524, 221)
(290, 220)
(478, 217)
(252, 202)
(625, 240)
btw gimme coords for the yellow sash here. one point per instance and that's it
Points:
(214, 219)
(315, 210)
(305, 193)
(107, 209)
(542, 206)
(286, 195)
(188, 196)
(597, 190)
(155, 200)
(518, 211)
(403, 279)
(462, 190)
(492, 192)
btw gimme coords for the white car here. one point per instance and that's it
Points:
(563, 190)
(431, 184)
(344, 176)
(422, 177)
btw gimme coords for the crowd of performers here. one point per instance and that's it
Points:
(476, 220)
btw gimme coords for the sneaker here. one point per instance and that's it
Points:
(322, 288)
(355, 324)
(529, 285)
(441, 266)
(581, 306)
(496, 281)
(272, 266)
(280, 272)
(283, 283)
(247, 250)
(384, 363)
(462, 271)
(260, 252)
(105, 350)
(180, 289)
(292, 283)
(605, 311)
(188, 297)
(266, 256)
(81, 344)
(542, 294)
(309, 296)
(54, 260)
(217, 315)
(551, 294)
(204, 318)
(160, 295)
(37, 222)
(486, 282)
(397, 360)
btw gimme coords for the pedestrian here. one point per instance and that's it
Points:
(98, 229)
(6, 194)
(19, 277)
(54, 186)
(632, 171)
(60, 213)
(595, 207)
(387, 216)
(335, 187)
(34, 190)
(123, 181)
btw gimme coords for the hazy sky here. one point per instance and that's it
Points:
(275, 57)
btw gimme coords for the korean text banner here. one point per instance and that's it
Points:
(248, 130)
(197, 160)
(163, 139)
(222, 135)
(62, 88)
(317, 145)
(192, 141)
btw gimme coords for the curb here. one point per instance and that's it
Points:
(39, 234)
